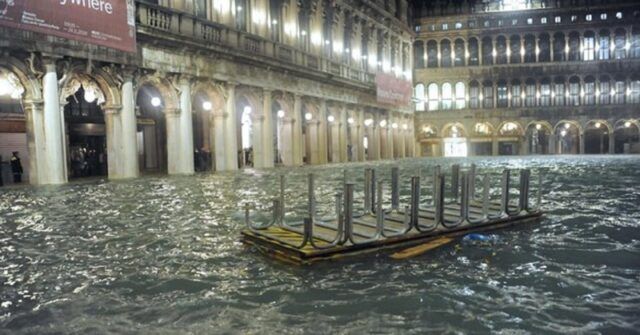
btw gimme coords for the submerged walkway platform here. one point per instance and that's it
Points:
(378, 230)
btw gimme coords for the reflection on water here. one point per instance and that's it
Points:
(158, 254)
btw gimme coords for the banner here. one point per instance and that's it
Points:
(109, 23)
(392, 90)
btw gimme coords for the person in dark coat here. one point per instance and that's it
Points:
(16, 168)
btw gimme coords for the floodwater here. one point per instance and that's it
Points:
(162, 255)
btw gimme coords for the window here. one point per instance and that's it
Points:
(445, 26)
(619, 91)
(574, 91)
(589, 46)
(603, 16)
(419, 95)
(545, 93)
(487, 92)
(558, 19)
(458, 25)
(558, 47)
(543, 20)
(445, 53)
(530, 93)
(529, 21)
(474, 58)
(432, 54)
(460, 95)
(588, 17)
(605, 91)
(619, 43)
(487, 51)
(503, 97)
(447, 96)
(603, 45)
(514, 47)
(634, 94)
(589, 91)
(619, 15)
(432, 92)
(516, 94)
(558, 93)
(474, 95)
(458, 53)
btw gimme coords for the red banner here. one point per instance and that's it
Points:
(109, 23)
(392, 90)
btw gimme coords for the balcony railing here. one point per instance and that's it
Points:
(187, 25)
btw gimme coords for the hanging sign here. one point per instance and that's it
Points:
(108, 23)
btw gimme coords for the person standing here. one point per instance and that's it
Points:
(16, 168)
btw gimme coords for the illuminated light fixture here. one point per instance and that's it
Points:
(207, 105)
(394, 125)
(405, 126)
(350, 120)
(90, 95)
(383, 123)
(567, 125)
(368, 122)
(308, 116)
(281, 113)
(563, 133)
(538, 126)
(598, 124)
(155, 101)
(331, 118)
(627, 124)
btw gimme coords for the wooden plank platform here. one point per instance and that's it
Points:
(281, 242)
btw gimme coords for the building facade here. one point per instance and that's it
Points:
(214, 85)
(527, 77)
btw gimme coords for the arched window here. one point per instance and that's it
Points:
(529, 49)
(474, 94)
(447, 96)
(605, 90)
(544, 47)
(545, 92)
(619, 90)
(514, 48)
(589, 90)
(620, 43)
(432, 54)
(516, 94)
(418, 51)
(445, 53)
(574, 46)
(487, 92)
(589, 46)
(487, 51)
(558, 92)
(432, 92)
(574, 91)
(473, 52)
(558, 47)
(603, 45)
(503, 96)
(419, 95)
(530, 93)
(458, 53)
(634, 91)
(501, 50)
(460, 95)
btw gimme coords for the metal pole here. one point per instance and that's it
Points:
(395, 190)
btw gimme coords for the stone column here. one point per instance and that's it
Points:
(287, 141)
(219, 140)
(267, 132)
(185, 163)
(230, 131)
(128, 153)
(297, 131)
(53, 167)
